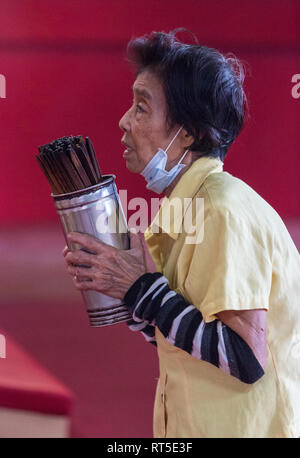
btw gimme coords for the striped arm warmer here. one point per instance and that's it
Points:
(152, 303)
(146, 329)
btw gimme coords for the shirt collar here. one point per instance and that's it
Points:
(171, 213)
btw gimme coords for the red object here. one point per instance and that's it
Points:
(26, 385)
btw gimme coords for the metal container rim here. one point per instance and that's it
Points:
(69, 195)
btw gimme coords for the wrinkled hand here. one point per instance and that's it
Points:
(108, 270)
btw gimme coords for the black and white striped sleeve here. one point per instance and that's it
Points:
(147, 330)
(152, 303)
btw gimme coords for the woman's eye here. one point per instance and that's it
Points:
(138, 107)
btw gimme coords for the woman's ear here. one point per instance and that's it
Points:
(186, 139)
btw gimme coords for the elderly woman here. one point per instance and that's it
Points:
(224, 370)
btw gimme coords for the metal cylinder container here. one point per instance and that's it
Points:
(97, 211)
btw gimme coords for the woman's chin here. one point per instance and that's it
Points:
(133, 165)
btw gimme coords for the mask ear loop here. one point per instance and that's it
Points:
(183, 156)
(171, 142)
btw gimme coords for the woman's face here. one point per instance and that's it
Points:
(145, 126)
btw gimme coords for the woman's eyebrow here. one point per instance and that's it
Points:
(142, 93)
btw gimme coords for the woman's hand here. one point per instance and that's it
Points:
(109, 270)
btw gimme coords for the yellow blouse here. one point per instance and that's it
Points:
(242, 258)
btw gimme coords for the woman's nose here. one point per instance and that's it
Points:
(124, 122)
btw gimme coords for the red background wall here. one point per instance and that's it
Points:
(66, 73)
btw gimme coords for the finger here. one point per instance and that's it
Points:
(65, 250)
(135, 240)
(83, 285)
(80, 257)
(80, 279)
(151, 267)
(84, 273)
(88, 241)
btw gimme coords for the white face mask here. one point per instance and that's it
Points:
(155, 173)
